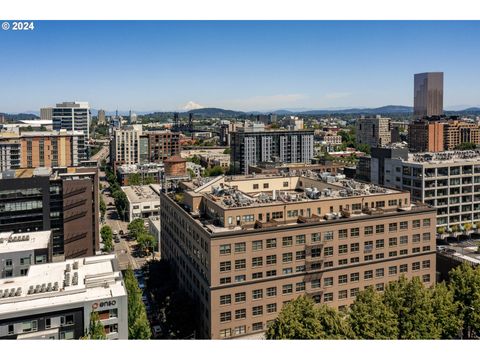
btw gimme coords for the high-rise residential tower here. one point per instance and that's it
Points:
(428, 94)
(72, 116)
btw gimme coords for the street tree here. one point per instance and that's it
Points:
(146, 242)
(465, 284)
(446, 312)
(103, 208)
(136, 228)
(138, 325)
(107, 237)
(95, 330)
(370, 318)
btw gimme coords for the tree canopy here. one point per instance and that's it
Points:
(95, 330)
(138, 325)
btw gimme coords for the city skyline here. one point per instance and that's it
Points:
(239, 65)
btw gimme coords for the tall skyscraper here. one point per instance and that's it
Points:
(101, 117)
(428, 94)
(72, 116)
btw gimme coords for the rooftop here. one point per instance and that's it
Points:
(53, 173)
(151, 167)
(459, 156)
(70, 282)
(10, 242)
(137, 194)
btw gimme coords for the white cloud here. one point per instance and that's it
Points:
(191, 105)
(337, 95)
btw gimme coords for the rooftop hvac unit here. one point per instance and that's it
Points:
(1, 293)
(18, 292)
(75, 265)
(68, 268)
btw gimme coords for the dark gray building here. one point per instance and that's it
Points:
(377, 162)
(428, 94)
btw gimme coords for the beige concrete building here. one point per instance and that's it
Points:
(244, 246)
(374, 131)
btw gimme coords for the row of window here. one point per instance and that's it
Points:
(240, 330)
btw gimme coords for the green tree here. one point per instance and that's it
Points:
(147, 242)
(134, 179)
(227, 151)
(136, 228)
(465, 284)
(138, 325)
(370, 318)
(301, 319)
(121, 202)
(446, 312)
(95, 330)
(107, 237)
(466, 146)
(103, 208)
(411, 302)
(214, 171)
(195, 159)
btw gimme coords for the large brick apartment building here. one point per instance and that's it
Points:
(244, 246)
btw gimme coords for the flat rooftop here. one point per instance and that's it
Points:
(53, 173)
(445, 157)
(138, 194)
(10, 242)
(72, 282)
(127, 169)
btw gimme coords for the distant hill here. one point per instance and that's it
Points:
(389, 109)
(20, 116)
(216, 112)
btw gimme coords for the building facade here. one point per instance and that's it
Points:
(426, 135)
(46, 113)
(243, 246)
(55, 300)
(252, 146)
(64, 200)
(72, 116)
(428, 94)
(143, 201)
(373, 131)
(9, 151)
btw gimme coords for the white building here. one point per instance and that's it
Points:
(143, 201)
(55, 300)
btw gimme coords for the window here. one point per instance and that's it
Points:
(328, 297)
(426, 278)
(392, 253)
(287, 289)
(403, 225)
(48, 323)
(416, 266)
(265, 185)
(416, 250)
(271, 273)
(379, 273)
(355, 247)
(240, 278)
(257, 310)
(300, 286)
(354, 292)
(328, 264)
(328, 235)
(368, 230)
(426, 222)
(415, 224)
(255, 186)
(342, 262)
(426, 264)
(354, 232)
(66, 335)
(271, 243)
(368, 258)
(426, 236)
(328, 251)
(257, 245)
(403, 240)
(292, 213)
(300, 255)
(257, 326)
(315, 237)
(416, 238)
(342, 294)
(257, 275)
(257, 261)
(403, 268)
(328, 281)
(379, 287)
(240, 247)
(225, 299)
(225, 316)
(342, 249)
(285, 184)
(368, 274)
(286, 271)
(300, 268)
(272, 291)
(392, 270)
(354, 277)
(392, 241)
(277, 215)
(392, 202)
(342, 279)
(257, 294)
(426, 248)
(225, 266)
(248, 218)
(287, 241)
(240, 314)
(342, 234)
(11, 329)
(380, 204)
(300, 239)
(379, 244)
(25, 261)
(379, 256)
(271, 308)
(315, 252)
(404, 252)
(40, 259)
(66, 320)
(271, 259)
(29, 326)
(8, 263)
(23, 272)
(240, 297)
(287, 257)
(240, 264)
(224, 333)
(239, 330)
(225, 280)
(354, 260)
(225, 249)
(379, 229)
(392, 227)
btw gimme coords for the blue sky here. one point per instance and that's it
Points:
(267, 65)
